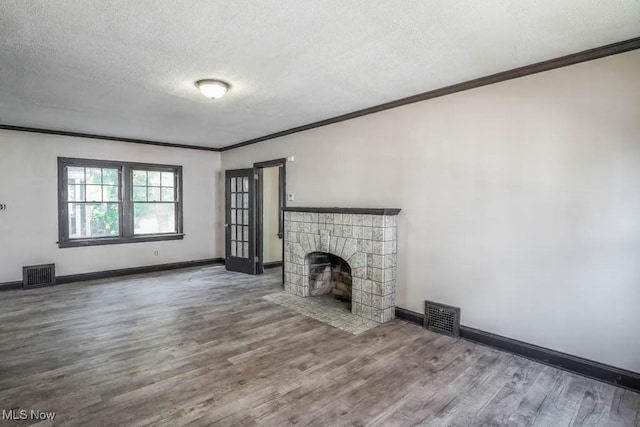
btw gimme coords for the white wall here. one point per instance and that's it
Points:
(29, 226)
(520, 201)
(272, 244)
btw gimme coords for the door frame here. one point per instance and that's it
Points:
(259, 217)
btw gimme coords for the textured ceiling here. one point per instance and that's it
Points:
(127, 68)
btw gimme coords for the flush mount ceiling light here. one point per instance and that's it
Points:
(212, 88)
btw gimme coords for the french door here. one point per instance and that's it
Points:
(239, 221)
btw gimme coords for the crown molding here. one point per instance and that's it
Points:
(104, 137)
(551, 64)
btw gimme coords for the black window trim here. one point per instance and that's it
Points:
(126, 211)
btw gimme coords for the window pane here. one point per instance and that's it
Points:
(233, 216)
(93, 220)
(233, 202)
(151, 218)
(239, 219)
(94, 193)
(75, 193)
(153, 178)
(139, 177)
(233, 232)
(139, 194)
(233, 248)
(233, 185)
(246, 233)
(245, 250)
(110, 176)
(167, 194)
(110, 193)
(238, 200)
(246, 200)
(75, 175)
(154, 194)
(245, 213)
(167, 179)
(246, 184)
(94, 176)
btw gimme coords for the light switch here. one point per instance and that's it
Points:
(290, 197)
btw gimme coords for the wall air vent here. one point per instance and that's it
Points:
(35, 276)
(442, 318)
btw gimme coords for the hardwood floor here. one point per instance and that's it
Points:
(202, 347)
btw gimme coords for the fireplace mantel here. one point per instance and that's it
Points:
(365, 211)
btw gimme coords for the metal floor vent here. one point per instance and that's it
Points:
(442, 318)
(35, 276)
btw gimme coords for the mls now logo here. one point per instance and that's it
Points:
(23, 414)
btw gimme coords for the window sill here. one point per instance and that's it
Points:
(79, 243)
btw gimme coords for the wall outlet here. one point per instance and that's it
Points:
(155, 253)
(290, 197)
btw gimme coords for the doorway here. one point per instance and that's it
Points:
(254, 218)
(270, 192)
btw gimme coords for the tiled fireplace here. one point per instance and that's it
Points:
(324, 246)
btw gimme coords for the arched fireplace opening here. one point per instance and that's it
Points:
(330, 275)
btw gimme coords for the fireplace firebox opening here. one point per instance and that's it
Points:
(330, 275)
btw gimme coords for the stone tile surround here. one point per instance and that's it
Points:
(367, 241)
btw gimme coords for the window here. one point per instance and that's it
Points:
(93, 202)
(154, 201)
(103, 202)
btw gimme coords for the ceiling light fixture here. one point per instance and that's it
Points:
(212, 88)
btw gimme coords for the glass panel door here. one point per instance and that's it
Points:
(239, 188)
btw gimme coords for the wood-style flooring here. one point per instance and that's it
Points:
(202, 347)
